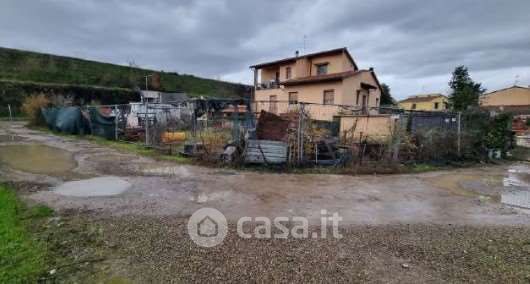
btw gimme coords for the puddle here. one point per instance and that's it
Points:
(10, 138)
(94, 187)
(37, 159)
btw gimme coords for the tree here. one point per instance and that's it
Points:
(465, 92)
(386, 97)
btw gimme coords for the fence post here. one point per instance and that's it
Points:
(116, 122)
(397, 140)
(146, 122)
(459, 134)
(301, 144)
(10, 114)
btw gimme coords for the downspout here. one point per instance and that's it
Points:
(253, 94)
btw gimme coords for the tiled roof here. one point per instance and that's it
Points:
(512, 87)
(293, 59)
(422, 98)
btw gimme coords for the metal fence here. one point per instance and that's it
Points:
(292, 133)
(165, 126)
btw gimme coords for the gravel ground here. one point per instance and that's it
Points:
(446, 226)
(145, 249)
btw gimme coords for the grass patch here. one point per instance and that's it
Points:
(22, 258)
(122, 146)
(138, 149)
(20, 65)
(422, 168)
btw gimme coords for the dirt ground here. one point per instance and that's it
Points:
(430, 227)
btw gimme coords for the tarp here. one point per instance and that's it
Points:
(102, 122)
(71, 120)
(68, 120)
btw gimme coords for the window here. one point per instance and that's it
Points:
(293, 98)
(288, 73)
(413, 106)
(322, 69)
(377, 102)
(358, 95)
(436, 105)
(272, 104)
(329, 97)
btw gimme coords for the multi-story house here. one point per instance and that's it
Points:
(326, 81)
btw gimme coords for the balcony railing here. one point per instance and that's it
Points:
(272, 84)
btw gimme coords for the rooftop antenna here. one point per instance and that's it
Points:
(305, 37)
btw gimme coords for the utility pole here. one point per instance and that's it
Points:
(459, 134)
(146, 85)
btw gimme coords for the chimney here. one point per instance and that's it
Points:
(296, 53)
(371, 69)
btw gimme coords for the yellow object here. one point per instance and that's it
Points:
(168, 137)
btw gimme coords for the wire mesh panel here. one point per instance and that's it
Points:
(312, 134)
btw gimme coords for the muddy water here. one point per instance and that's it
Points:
(37, 159)
(94, 187)
(10, 138)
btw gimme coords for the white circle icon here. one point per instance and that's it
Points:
(207, 227)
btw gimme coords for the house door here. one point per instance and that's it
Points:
(273, 107)
(365, 101)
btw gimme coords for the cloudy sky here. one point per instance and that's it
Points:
(412, 44)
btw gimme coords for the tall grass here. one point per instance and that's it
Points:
(22, 259)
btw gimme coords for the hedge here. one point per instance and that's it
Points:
(14, 92)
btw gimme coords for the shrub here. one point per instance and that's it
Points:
(498, 134)
(214, 141)
(32, 108)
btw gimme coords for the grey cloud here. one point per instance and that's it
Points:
(414, 45)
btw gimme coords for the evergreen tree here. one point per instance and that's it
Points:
(386, 97)
(465, 92)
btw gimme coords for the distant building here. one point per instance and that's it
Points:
(327, 80)
(426, 102)
(514, 99)
(157, 97)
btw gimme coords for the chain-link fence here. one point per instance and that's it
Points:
(190, 128)
(299, 134)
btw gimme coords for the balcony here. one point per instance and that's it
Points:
(272, 84)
